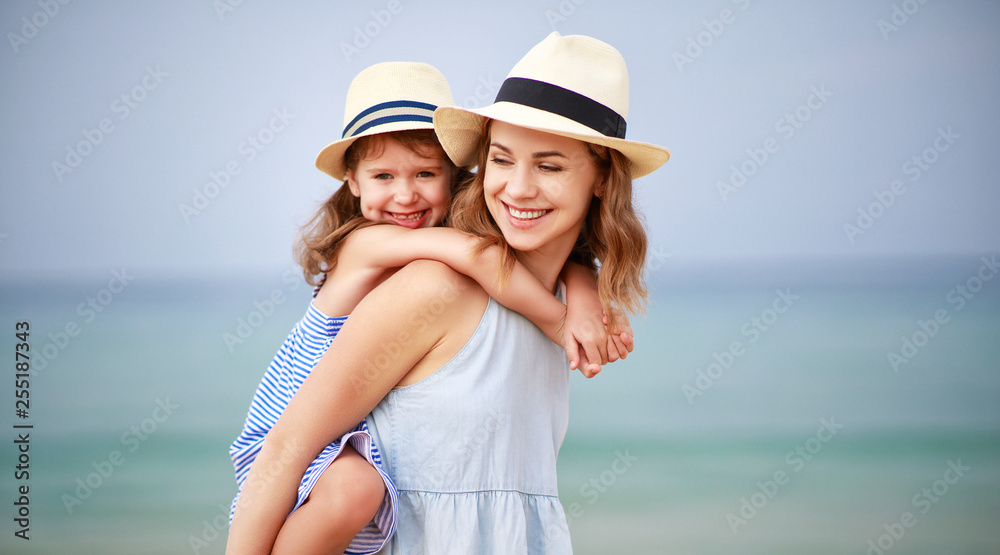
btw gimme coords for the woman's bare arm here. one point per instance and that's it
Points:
(347, 383)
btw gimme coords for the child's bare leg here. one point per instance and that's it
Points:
(343, 501)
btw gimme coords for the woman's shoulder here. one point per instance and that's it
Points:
(440, 305)
(436, 281)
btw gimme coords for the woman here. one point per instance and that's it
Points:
(470, 399)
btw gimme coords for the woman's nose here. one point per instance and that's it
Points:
(521, 183)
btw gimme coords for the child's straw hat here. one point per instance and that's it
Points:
(390, 96)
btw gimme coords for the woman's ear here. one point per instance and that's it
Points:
(600, 187)
(352, 184)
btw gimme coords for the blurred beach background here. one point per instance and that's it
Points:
(817, 371)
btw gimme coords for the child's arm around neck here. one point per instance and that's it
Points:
(372, 253)
(376, 250)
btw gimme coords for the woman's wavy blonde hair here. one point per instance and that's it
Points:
(320, 239)
(612, 235)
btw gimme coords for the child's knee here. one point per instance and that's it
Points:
(350, 485)
(363, 484)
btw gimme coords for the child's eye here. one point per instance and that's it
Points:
(425, 174)
(383, 176)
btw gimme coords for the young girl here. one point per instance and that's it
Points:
(395, 172)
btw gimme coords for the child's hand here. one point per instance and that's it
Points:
(586, 341)
(589, 347)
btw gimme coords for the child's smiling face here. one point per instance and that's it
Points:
(402, 187)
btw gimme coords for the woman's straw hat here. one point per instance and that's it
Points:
(391, 96)
(574, 86)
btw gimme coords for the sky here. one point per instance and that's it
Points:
(179, 138)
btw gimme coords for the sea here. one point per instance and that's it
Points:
(770, 406)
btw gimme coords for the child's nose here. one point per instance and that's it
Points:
(406, 192)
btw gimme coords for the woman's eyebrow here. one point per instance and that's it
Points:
(549, 153)
(501, 147)
(543, 154)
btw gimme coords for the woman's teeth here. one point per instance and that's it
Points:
(526, 214)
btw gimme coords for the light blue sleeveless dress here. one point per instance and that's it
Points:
(472, 448)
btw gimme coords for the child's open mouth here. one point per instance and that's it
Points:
(411, 220)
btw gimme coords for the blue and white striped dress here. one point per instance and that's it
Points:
(296, 358)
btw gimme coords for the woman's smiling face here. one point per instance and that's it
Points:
(538, 186)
